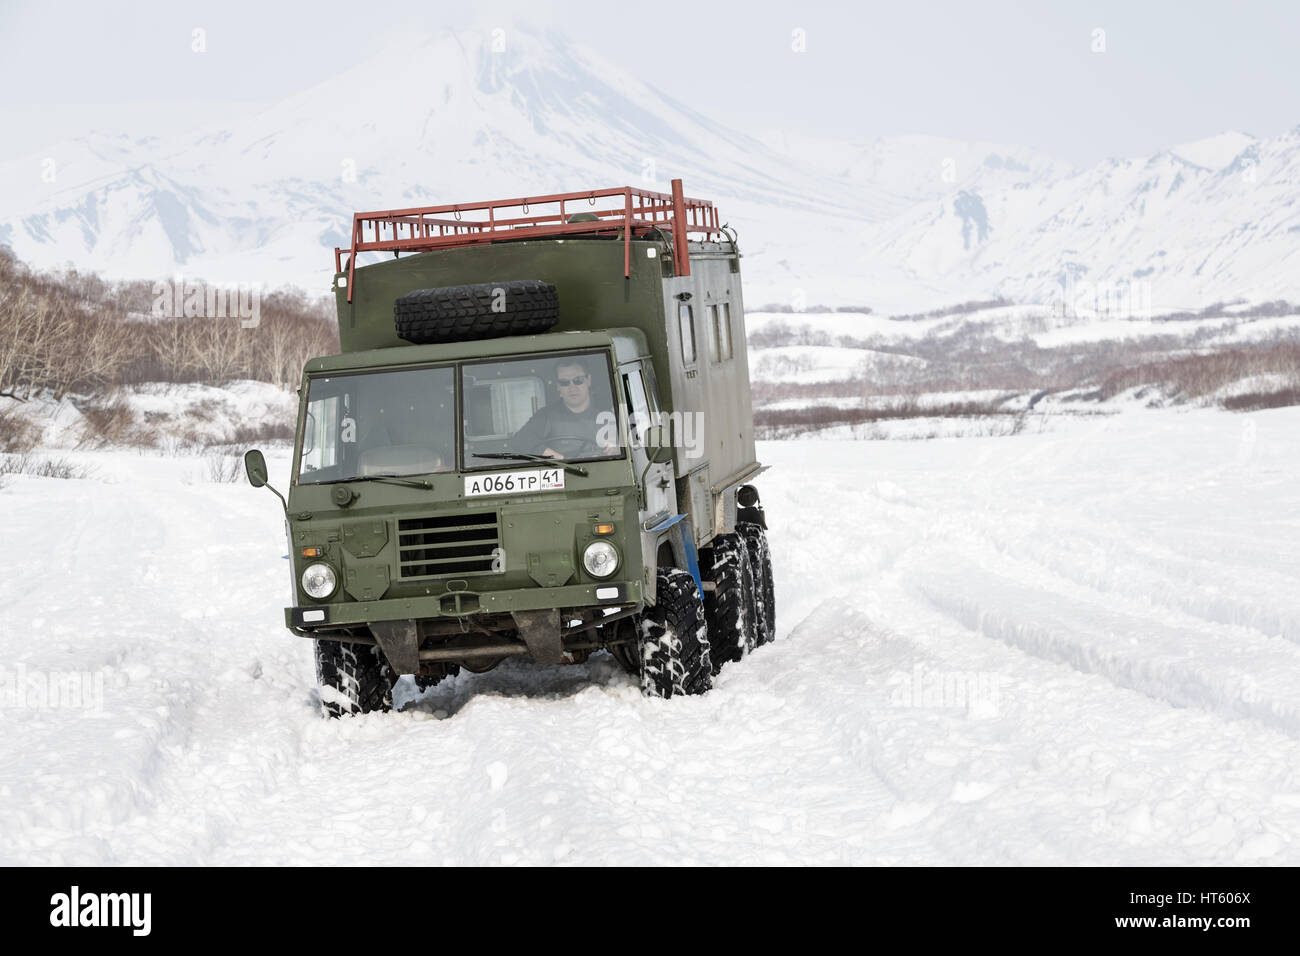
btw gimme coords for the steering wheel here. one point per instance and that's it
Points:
(581, 446)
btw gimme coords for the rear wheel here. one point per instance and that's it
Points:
(760, 556)
(730, 607)
(353, 678)
(673, 639)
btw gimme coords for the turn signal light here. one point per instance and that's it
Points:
(312, 552)
(604, 529)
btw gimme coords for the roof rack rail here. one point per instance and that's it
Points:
(422, 229)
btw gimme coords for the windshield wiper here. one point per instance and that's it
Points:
(409, 482)
(521, 456)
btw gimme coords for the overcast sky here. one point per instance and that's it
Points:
(1019, 73)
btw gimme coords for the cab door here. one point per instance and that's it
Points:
(658, 496)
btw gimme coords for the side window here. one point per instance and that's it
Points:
(651, 388)
(638, 406)
(320, 437)
(715, 335)
(724, 333)
(686, 319)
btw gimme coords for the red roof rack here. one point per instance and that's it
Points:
(640, 211)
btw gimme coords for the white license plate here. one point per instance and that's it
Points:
(515, 482)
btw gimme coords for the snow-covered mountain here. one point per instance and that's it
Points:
(897, 224)
(1208, 221)
(436, 120)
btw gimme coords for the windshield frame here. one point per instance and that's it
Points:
(458, 367)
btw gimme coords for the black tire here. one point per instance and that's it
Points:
(760, 556)
(731, 605)
(674, 639)
(488, 310)
(353, 678)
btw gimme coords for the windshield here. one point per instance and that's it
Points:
(402, 423)
(379, 423)
(554, 406)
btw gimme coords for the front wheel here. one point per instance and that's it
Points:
(353, 678)
(674, 640)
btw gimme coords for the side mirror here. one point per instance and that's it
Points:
(659, 445)
(255, 468)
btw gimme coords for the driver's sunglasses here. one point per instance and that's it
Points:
(576, 380)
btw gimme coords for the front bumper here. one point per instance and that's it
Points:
(306, 619)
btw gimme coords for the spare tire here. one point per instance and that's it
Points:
(487, 310)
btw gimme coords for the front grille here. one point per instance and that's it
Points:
(447, 544)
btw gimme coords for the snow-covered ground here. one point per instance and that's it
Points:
(1075, 645)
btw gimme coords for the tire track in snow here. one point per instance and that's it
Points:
(1253, 677)
(1077, 776)
(100, 633)
(1267, 601)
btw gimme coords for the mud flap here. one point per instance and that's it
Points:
(400, 642)
(540, 630)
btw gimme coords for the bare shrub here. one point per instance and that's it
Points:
(1199, 375)
(181, 446)
(785, 307)
(74, 332)
(17, 434)
(112, 422)
(980, 426)
(252, 433)
(28, 464)
(1256, 401)
(294, 328)
(1185, 364)
(961, 308)
(823, 416)
(223, 469)
(1278, 307)
(55, 334)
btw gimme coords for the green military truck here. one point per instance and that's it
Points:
(537, 440)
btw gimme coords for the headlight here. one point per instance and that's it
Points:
(319, 581)
(600, 559)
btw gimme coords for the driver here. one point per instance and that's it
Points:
(574, 418)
